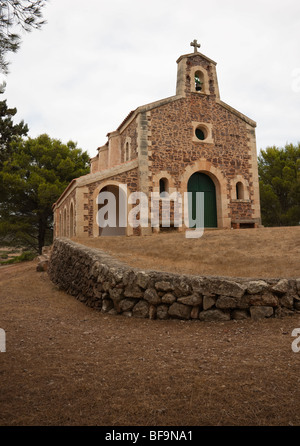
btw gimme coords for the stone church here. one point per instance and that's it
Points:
(188, 142)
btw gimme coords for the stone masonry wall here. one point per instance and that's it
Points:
(113, 287)
(174, 150)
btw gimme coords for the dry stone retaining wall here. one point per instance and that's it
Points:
(102, 282)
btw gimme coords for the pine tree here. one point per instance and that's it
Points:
(279, 173)
(35, 176)
(14, 14)
(9, 131)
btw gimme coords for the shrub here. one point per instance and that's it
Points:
(24, 257)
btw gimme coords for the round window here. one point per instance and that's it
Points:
(200, 133)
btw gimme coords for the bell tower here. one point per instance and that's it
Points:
(197, 74)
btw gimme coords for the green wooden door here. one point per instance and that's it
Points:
(199, 182)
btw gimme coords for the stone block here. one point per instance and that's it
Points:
(152, 297)
(180, 311)
(127, 304)
(208, 302)
(152, 312)
(195, 312)
(283, 312)
(127, 313)
(168, 298)
(113, 312)
(265, 299)
(133, 291)
(261, 312)
(282, 286)
(240, 315)
(244, 302)
(297, 305)
(164, 286)
(257, 286)
(193, 300)
(141, 309)
(214, 315)
(142, 279)
(224, 287)
(225, 302)
(107, 304)
(182, 288)
(287, 301)
(162, 312)
(116, 294)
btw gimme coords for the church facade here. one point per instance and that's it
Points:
(190, 142)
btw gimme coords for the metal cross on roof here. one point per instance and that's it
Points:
(195, 45)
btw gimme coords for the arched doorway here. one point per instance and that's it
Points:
(199, 182)
(117, 209)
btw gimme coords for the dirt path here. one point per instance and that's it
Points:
(66, 364)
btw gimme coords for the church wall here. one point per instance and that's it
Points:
(102, 158)
(114, 150)
(174, 147)
(94, 164)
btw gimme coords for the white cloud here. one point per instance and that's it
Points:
(95, 61)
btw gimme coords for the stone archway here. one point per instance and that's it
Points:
(222, 200)
(200, 182)
(119, 209)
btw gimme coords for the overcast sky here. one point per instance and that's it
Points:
(96, 60)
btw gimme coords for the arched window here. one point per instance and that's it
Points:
(199, 81)
(239, 191)
(60, 225)
(71, 220)
(163, 185)
(65, 223)
(127, 151)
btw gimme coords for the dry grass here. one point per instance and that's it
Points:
(67, 364)
(263, 252)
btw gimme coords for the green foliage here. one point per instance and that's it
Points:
(25, 14)
(9, 131)
(24, 257)
(33, 178)
(279, 173)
